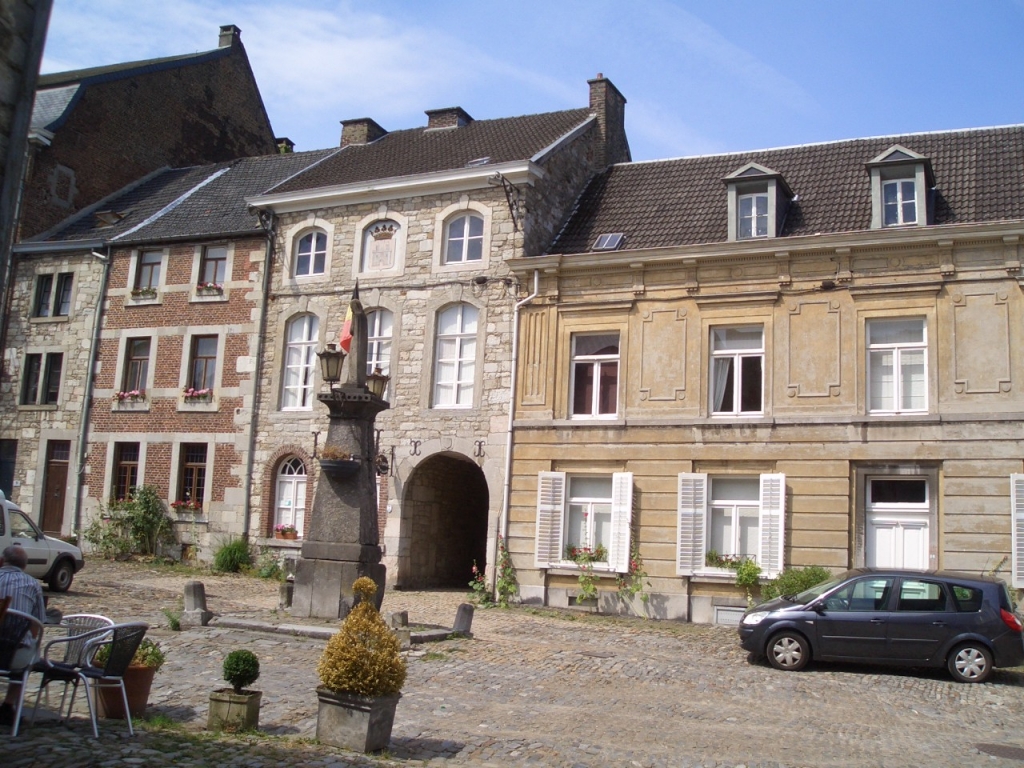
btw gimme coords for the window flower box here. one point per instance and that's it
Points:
(133, 395)
(144, 293)
(192, 395)
(186, 506)
(284, 531)
(209, 288)
(338, 463)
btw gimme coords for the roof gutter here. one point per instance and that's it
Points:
(58, 247)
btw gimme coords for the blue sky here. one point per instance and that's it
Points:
(699, 77)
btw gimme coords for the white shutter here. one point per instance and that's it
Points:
(692, 501)
(773, 524)
(622, 518)
(550, 511)
(1017, 528)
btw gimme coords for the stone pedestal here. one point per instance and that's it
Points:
(342, 542)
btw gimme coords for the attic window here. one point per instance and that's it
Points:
(609, 242)
(109, 218)
(478, 161)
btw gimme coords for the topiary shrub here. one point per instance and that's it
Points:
(241, 669)
(233, 557)
(363, 657)
(794, 580)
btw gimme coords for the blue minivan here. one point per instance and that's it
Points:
(908, 618)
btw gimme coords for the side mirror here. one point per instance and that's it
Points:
(818, 606)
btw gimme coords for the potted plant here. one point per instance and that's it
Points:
(285, 531)
(235, 708)
(337, 462)
(361, 674)
(138, 679)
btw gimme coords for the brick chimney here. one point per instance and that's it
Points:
(229, 35)
(609, 106)
(361, 130)
(449, 117)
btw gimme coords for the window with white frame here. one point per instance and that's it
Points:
(1017, 529)
(455, 358)
(897, 517)
(300, 363)
(595, 375)
(464, 239)
(731, 517)
(310, 254)
(378, 348)
(290, 494)
(897, 365)
(584, 511)
(53, 295)
(737, 370)
(753, 215)
(899, 202)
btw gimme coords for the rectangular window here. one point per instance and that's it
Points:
(214, 265)
(899, 202)
(136, 368)
(729, 518)
(897, 516)
(584, 511)
(40, 384)
(737, 365)
(1017, 529)
(147, 276)
(595, 375)
(126, 470)
(53, 295)
(203, 367)
(897, 364)
(455, 356)
(193, 473)
(753, 213)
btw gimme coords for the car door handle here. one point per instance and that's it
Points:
(878, 621)
(938, 623)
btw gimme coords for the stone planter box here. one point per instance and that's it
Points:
(359, 723)
(230, 711)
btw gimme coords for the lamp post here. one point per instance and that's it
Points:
(377, 382)
(331, 360)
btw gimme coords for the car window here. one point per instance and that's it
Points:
(920, 595)
(20, 526)
(967, 599)
(863, 595)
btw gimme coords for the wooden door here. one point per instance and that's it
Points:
(55, 483)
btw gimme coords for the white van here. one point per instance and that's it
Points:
(51, 560)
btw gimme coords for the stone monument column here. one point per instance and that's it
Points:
(342, 542)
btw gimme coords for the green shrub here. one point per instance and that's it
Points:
(794, 580)
(148, 654)
(241, 669)
(233, 557)
(136, 525)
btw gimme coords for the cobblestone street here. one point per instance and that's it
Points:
(532, 688)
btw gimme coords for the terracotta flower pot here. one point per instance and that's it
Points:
(137, 682)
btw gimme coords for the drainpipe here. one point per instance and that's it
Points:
(507, 489)
(268, 221)
(83, 427)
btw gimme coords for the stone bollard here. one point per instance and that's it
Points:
(286, 592)
(398, 619)
(195, 611)
(464, 620)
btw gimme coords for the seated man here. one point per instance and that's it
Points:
(26, 596)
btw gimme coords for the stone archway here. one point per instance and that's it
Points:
(444, 505)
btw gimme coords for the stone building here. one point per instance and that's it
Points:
(132, 349)
(425, 220)
(801, 356)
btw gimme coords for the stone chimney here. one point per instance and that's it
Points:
(609, 106)
(361, 130)
(449, 117)
(285, 146)
(229, 36)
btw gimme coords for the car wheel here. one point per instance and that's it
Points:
(61, 576)
(789, 651)
(970, 663)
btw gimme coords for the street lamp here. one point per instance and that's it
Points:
(377, 382)
(330, 364)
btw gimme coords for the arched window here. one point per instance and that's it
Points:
(455, 357)
(378, 323)
(300, 363)
(464, 239)
(311, 254)
(290, 495)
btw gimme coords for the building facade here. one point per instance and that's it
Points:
(803, 356)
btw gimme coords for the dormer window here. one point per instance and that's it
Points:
(758, 201)
(900, 181)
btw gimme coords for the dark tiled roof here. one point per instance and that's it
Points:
(215, 207)
(418, 150)
(978, 178)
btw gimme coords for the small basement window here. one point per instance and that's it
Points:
(609, 242)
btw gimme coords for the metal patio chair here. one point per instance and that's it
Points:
(14, 627)
(63, 656)
(124, 640)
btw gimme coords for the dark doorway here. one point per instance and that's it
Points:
(444, 519)
(55, 484)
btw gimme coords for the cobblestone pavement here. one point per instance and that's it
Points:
(532, 688)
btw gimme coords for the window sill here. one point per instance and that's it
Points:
(141, 406)
(34, 407)
(208, 298)
(57, 319)
(570, 569)
(210, 405)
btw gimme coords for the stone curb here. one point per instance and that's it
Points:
(320, 633)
